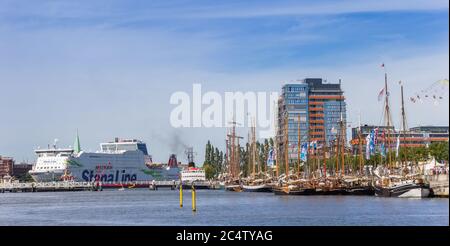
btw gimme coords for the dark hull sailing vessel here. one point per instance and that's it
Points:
(233, 187)
(257, 188)
(360, 191)
(405, 190)
(293, 191)
(388, 185)
(357, 186)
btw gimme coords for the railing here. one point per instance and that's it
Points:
(86, 185)
(38, 185)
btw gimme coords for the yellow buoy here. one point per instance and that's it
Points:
(181, 195)
(194, 208)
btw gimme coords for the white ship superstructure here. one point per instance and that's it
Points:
(193, 174)
(119, 161)
(50, 164)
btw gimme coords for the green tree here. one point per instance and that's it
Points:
(439, 151)
(209, 171)
(207, 153)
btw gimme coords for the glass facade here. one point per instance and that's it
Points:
(319, 106)
(332, 116)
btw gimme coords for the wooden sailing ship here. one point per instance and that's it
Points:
(258, 181)
(233, 181)
(391, 181)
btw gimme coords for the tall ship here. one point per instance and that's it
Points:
(119, 161)
(397, 179)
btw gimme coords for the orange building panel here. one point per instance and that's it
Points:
(316, 127)
(316, 109)
(330, 97)
(316, 121)
(316, 102)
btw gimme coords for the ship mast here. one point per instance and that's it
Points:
(403, 123)
(249, 139)
(298, 146)
(253, 149)
(277, 158)
(286, 147)
(227, 157)
(235, 149)
(361, 159)
(324, 148)
(342, 136)
(388, 121)
(342, 129)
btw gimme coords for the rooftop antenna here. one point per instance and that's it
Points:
(190, 154)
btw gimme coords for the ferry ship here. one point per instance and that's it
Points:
(193, 174)
(119, 161)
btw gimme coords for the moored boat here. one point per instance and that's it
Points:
(257, 188)
(233, 187)
(409, 188)
(404, 190)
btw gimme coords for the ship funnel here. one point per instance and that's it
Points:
(172, 161)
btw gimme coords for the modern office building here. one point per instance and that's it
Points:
(319, 106)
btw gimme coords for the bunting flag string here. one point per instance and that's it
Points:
(436, 92)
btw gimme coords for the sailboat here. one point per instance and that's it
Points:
(390, 184)
(233, 182)
(359, 184)
(287, 183)
(255, 183)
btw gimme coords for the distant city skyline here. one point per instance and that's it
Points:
(108, 68)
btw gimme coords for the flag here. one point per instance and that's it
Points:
(383, 150)
(368, 147)
(270, 157)
(303, 153)
(398, 145)
(376, 136)
(313, 147)
(380, 94)
(372, 142)
(383, 147)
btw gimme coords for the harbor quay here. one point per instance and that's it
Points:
(438, 185)
(61, 186)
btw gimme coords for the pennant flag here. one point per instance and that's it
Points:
(398, 145)
(368, 147)
(303, 153)
(381, 94)
(372, 142)
(270, 157)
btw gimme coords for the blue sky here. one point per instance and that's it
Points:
(108, 68)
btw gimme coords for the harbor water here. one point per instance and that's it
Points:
(215, 207)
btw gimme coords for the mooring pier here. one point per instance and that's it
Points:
(96, 186)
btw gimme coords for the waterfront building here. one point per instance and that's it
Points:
(6, 166)
(21, 169)
(415, 137)
(318, 105)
